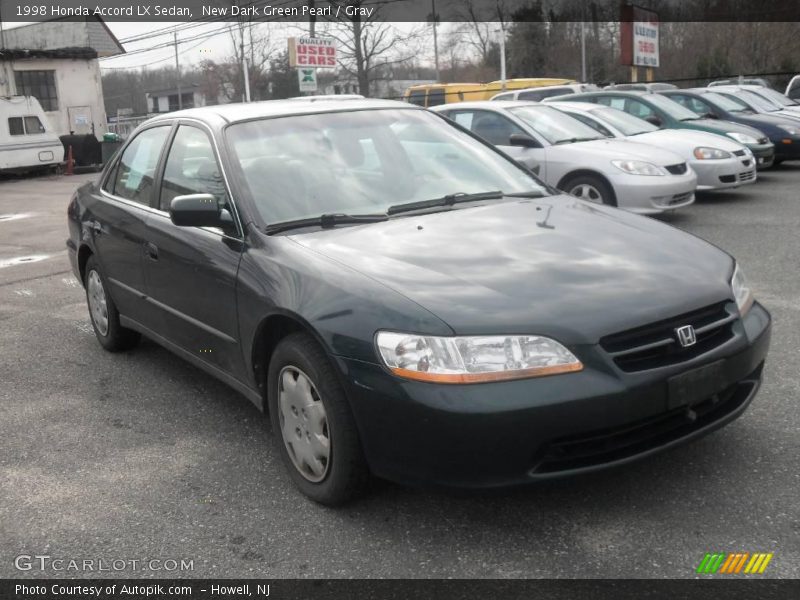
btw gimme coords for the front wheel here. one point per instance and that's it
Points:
(591, 189)
(103, 312)
(313, 426)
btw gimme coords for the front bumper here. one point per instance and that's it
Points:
(654, 195)
(724, 173)
(763, 153)
(517, 432)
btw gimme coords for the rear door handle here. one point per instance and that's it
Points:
(151, 250)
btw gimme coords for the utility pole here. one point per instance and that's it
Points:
(244, 68)
(583, 52)
(502, 58)
(178, 69)
(435, 39)
(312, 19)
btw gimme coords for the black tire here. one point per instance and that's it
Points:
(346, 473)
(116, 337)
(604, 190)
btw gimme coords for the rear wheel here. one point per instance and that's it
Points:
(314, 428)
(103, 312)
(590, 188)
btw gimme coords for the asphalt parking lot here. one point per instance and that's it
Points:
(141, 456)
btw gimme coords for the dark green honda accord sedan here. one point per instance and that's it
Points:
(406, 301)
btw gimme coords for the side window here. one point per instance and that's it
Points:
(531, 95)
(15, 126)
(191, 168)
(33, 125)
(417, 97)
(699, 106)
(592, 123)
(638, 109)
(136, 170)
(463, 118)
(612, 101)
(436, 97)
(794, 89)
(495, 129)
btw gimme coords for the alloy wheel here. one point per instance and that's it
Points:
(98, 307)
(588, 192)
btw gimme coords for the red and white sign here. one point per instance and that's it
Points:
(312, 52)
(639, 37)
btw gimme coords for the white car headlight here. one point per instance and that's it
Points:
(791, 130)
(638, 167)
(473, 359)
(741, 291)
(742, 138)
(703, 153)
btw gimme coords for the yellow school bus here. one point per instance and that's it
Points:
(434, 94)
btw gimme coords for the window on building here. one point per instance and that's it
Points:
(15, 126)
(39, 84)
(187, 101)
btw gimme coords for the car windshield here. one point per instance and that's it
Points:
(363, 162)
(777, 97)
(672, 108)
(756, 101)
(728, 103)
(555, 126)
(627, 124)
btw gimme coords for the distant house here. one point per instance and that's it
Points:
(57, 63)
(192, 95)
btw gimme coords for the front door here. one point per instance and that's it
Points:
(191, 271)
(118, 217)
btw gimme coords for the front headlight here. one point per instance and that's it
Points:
(741, 291)
(791, 130)
(742, 138)
(703, 153)
(638, 167)
(473, 359)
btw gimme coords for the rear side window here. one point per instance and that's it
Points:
(495, 129)
(530, 95)
(436, 97)
(638, 109)
(191, 168)
(15, 126)
(136, 170)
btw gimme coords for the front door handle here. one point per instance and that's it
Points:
(151, 250)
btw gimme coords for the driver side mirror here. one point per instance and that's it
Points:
(524, 141)
(654, 120)
(711, 115)
(199, 210)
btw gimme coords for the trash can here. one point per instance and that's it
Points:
(109, 148)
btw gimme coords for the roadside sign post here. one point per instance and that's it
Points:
(307, 79)
(307, 54)
(639, 41)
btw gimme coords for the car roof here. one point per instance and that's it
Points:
(491, 104)
(615, 92)
(585, 106)
(232, 113)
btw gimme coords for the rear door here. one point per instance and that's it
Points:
(116, 220)
(191, 271)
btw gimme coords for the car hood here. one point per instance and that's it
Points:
(684, 142)
(613, 149)
(557, 266)
(714, 125)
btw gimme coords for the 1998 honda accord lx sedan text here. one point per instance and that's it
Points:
(406, 301)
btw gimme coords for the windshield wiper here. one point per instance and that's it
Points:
(325, 221)
(447, 200)
(576, 139)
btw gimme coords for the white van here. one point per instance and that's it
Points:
(27, 141)
(537, 94)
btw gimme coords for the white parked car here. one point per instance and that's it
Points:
(575, 158)
(719, 162)
(752, 96)
(537, 94)
(793, 89)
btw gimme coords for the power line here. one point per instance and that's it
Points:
(155, 62)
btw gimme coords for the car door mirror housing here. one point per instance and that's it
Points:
(654, 120)
(198, 210)
(525, 141)
(710, 115)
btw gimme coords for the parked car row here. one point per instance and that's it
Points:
(646, 151)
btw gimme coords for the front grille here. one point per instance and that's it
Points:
(655, 345)
(679, 199)
(727, 178)
(739, 152)
(608, 445)
(747, 176)
(679, 169)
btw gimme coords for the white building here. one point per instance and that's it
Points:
(57, 63)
